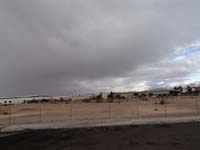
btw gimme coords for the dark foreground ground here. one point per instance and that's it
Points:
(184, 136)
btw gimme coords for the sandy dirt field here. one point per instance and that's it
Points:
(182, 136)
(134, 108)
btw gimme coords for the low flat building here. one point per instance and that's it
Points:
(127, 95)
(22, 99)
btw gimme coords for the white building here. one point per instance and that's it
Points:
(21, 99)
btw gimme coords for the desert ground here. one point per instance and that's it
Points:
(133, 108)
(184, 136)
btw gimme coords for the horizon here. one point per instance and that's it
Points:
(106, 92)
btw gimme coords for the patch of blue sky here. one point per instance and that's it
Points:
(185, 52)
(195, 76)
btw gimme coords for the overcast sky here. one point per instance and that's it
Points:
(65, 47)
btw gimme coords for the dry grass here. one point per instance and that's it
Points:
(28, 113)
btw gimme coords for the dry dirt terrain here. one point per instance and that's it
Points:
(183, 136)
(134, 108)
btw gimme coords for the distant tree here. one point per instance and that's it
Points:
(86, 100)
(175, 88)
(99, 96)
(150, 94)
(189, 90)
(44, 101)
(110, 96)
(165, 95)
(68, 101)
(144, 95)
(180, 89)
(118, 96)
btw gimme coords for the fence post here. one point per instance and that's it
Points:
(165, 108)
(71, 110)
(137, 108)
(165, 105)
(109, 111)
(9, 112)
(40, 110)
(197, 106)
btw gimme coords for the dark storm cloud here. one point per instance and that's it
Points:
(49, 46)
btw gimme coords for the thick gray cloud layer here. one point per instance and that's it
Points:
(54, 47)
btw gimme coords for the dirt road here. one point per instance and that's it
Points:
(184, 136)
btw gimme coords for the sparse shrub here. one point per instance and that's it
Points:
(5, 113)
(110, 96)
(135, 95)
(68, 101)
(46, 100)
(99, 101)
(145, 99)
(162, 102)
(99, 97)
(150, 94)
(87, 100)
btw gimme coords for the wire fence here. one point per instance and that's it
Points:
(126, 109)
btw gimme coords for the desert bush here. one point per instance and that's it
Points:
(145, 99)
(99, 101)
(99, 97)
(87, 100)
(162, 102)
(68, 101)
(5, 113)
(110, 96)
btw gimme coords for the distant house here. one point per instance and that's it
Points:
(156, 93)
(160, 93)
(196, 91)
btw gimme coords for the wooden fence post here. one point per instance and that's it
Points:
(40, 110)
(71, 110)
(137, 108)
(109, 110)
(197, 106)
(165, 109)
(9, 112)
